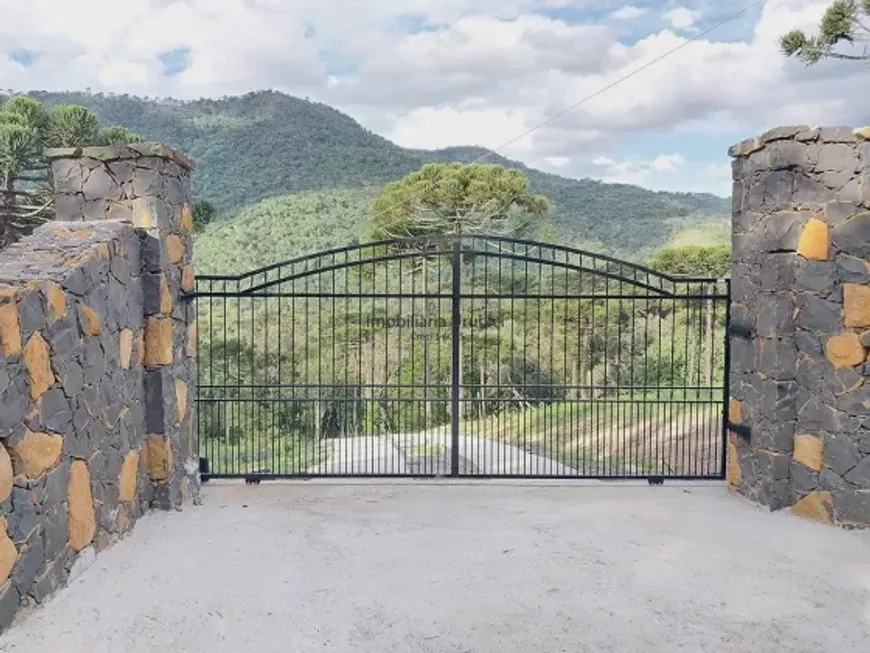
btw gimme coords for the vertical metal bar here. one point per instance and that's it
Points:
(456, 334)
(726, 382)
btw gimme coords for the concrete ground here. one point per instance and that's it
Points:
(458, 567)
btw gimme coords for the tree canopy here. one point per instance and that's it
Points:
(845, 23)
(693, 260)
(452, 198)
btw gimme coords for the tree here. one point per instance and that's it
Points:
(26, 128)
(454, 198)
(203, 214)
(844, 22)
(693, 260)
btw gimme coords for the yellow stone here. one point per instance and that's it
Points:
(188, 279)
(6, 474)
(56, 298)
(856, 305)
(36, 453)
(845, 350)
(125, 348)
(143, 216)
(191, 340)
(735, 410)
(8, 552)
(809, 451)
(127, 479)
(735, 474)
(175, 248)
(159, 456)
(158, 341)
(165, 296)
(816, 506)
(37, 361)
(10, 329)
(62, 232)
(813, 243)
(80, 507)
(863, 132)
(8, 292)
(180, 400)
(186, 218)
(140, 347)
(103, 251)
(90, 320)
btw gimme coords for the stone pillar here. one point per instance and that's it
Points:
(148, 184)
(800, 323)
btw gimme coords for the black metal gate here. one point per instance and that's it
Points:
(477, 356)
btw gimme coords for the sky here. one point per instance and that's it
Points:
(496, 73)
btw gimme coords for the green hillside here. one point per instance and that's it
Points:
(268, 144)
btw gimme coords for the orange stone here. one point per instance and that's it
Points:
(8, 552)
(188, 279)
(845, 350)
(7, 476)
(158, 341)
(735, 410)
(180, 400)
(809, 451)
(125, 349)
(165, 296)
(10, 329)
(90, 320)
(80, 507)
(191, 340)
(36, 453)
(856, 305)
(186, 218)
(813, 242)
(56, 299)
(127, 479)
(175, 248)
(159, 457)
(37, 361)
(735, 474)
(815, 506)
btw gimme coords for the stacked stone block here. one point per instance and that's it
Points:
(800, 323)
(96, 366)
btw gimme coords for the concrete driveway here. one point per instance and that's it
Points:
(475, 568)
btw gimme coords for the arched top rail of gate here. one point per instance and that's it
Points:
(470, 249)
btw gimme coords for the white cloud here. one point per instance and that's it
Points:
(682, 18)
(628, 12)
(482, 72)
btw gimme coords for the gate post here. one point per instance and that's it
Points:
(799, 410)
(148, 184)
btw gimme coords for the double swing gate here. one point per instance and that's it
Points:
(465, 355)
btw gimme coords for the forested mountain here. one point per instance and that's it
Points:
(268, 144)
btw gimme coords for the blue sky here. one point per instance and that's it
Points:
(433, 73)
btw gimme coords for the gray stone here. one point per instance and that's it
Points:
(808, 343)
(778, 401)
(837, 158)
(77, 282)
(852, 507)
(840, 134)
(775, 315)
(807, 135)
(71, 375)
(54, 488)
(856, 402)
(146, 183)
(29, 563)
(16, 403)
(54, 411)
(155, 389)
(777, 272)
(853, 235)
(9, 603)
(83, 560)
(803, 479)
(836, 181)
(808, 192)
(151, 293)
(843, 380)
(787, 154)
(31, 313)
(151, 252)
(93, 361)
(70, 205)
(777, 359)
(815, 415)
(118, 298)
(5, 381)
(831, 480)
(777, 436)
(817, 314)
(852, 269)
(864, 444)
(815, 276)
(837, 211)
(94, 210)
(860, 474)
(24, 518)
(841, 454)
(101, 184)
(63, 336)
(52, 578)
(850, 191)
(780, 133)
(811, 373)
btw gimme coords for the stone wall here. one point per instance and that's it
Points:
(96, 366)
(800, 323)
